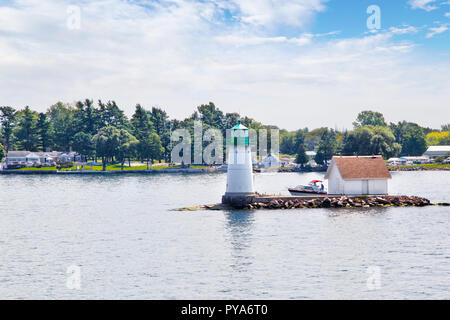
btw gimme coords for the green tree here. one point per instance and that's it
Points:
(327, 147)
(26, 131)
(291, 141)
(127, 146)
(150, 148)
(111, 115)
(413, 142)
(85, 117)
(7, 121)
(369, 118)
(410, 136)
(83, 144)
(287, 142)
(301, 158)
(370, 140)
(63, 126)
(44, 131)
(162, 127)
(2, 152)
(106, 142)
(141, 122)
(230, 120)
(313, 137)
(211, 116)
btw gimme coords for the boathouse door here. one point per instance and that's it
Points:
(365, 187)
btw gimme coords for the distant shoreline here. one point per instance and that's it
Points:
(111, 172)
(196, 170)
(442, 167)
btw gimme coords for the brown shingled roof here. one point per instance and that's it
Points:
(370, 167)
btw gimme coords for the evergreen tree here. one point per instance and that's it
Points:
(44, 131)
(63, 126)
(7, 121)
(150, 148)
(327, 147)
(26, 131)
(112, 115)
(141, 123)
(301, 157)
(162, 127)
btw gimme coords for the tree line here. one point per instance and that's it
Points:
(102, 130)
(371, 135)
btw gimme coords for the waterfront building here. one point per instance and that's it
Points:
(437, 151)
(28, 158)
(358, 175)
(239, 169)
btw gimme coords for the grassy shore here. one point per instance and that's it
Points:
(114, 167)
(428, 166)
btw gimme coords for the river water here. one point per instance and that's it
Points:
(128, 244)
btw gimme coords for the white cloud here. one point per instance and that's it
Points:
(252, 40)
(181, 53)
(405, 29)
(427, 5)
(437, 30)
(447, 14)
(289, 12)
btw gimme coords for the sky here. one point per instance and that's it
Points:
(290, 63)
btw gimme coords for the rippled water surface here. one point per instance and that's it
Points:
(121, 232)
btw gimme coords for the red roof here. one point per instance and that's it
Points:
(366, 167)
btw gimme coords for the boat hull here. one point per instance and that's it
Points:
(297, 192)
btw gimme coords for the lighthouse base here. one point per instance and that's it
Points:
(237, 199)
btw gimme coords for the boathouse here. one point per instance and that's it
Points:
(358, 175)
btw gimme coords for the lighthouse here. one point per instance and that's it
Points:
(240, 169)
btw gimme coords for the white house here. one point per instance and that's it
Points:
(358, 175)
(437, 151)
(27, 158)
(270, 161)
(21, 158)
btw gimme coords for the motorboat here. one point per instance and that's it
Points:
(313, 187)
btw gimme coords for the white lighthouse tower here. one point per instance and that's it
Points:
(240, 169)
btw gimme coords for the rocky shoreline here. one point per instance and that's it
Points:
(286, 202)
(342, 202)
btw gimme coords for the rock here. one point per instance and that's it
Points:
(326, 203)
(381, 200)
